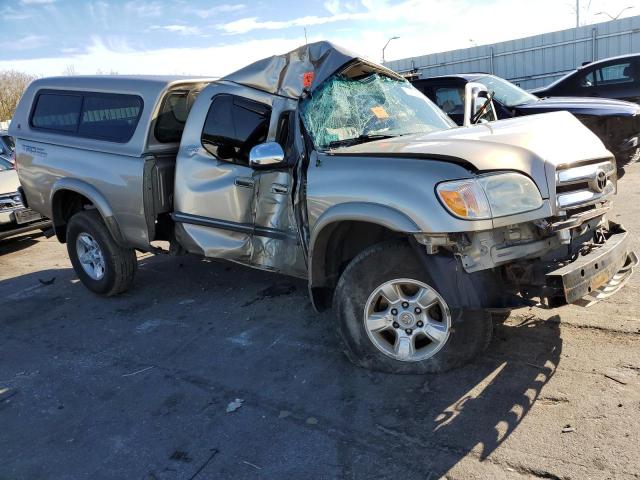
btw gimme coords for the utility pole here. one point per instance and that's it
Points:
(577, 13)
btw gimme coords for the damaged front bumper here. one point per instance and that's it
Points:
(598, 274)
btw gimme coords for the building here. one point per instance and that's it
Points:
(532, 61)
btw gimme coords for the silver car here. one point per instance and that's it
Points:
(14, 217)
(322, 165)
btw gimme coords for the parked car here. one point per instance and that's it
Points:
(14, 217)
(7, 147)
(615, 122)
(324, 166)
(615, 77)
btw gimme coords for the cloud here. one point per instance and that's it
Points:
(224, 8)
(144, 9)
(182, 29)
(8, 13)
(28, 42)
(103, 56)
(37, 2)
(333, 6)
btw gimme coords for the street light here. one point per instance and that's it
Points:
(385, 46)
(618, 15)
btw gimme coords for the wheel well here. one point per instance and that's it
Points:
(337, 244)
(64, 205)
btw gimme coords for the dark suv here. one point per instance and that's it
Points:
(615, 122)
(615, 77)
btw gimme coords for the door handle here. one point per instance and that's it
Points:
(245, 182)
(279, 188)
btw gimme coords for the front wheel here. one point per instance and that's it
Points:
(393, 317)
(102, 265)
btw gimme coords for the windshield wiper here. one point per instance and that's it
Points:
(359, 139)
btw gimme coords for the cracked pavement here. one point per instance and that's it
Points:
(138, 386)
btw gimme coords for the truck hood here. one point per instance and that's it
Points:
(581, 105)
(9, 182)
(535, 145)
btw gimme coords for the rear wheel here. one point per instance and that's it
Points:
(393, 316)
(102, 265)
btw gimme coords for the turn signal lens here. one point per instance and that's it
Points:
(465, 198)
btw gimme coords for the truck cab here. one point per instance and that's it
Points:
(322, 165)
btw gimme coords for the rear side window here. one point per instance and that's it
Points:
(614, 74)
(58, 112)
(234, 125)
(450, 99)
(102, 116)
(173, 115)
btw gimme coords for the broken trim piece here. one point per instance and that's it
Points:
(247, 228)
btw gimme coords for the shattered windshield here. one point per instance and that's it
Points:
(347, 111)
(506, 92)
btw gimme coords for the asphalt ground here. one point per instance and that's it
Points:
(138, 386)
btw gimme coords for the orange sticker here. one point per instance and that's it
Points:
(307, 79)
(380, 112)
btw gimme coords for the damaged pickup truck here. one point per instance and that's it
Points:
(324, 166)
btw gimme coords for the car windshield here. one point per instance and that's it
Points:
(8, 141)
(506, 92)
(5, 165)
(346, 111)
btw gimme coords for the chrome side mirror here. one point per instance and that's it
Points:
(475, 95)
(266, 155)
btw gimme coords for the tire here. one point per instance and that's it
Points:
(118, 264)
(469, 331)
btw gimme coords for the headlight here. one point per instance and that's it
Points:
(490, 196)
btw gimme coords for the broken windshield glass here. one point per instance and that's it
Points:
(346, 111)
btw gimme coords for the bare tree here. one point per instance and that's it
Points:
(12, 86)
(70, 70)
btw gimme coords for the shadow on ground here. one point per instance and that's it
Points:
(17, 243)
(137, 386)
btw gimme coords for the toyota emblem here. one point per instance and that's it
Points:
(601, 181)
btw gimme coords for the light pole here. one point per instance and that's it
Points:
(618, 15)
(385, 46)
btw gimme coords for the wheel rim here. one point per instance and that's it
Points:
(407, 320)
(90, 256)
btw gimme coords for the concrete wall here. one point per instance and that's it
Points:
(533, 61)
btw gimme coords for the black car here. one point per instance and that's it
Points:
(616, 77)
(615, 122)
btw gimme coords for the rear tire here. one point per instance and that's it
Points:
(468, 332)
(102, 265)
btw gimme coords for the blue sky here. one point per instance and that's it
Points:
(49, 37)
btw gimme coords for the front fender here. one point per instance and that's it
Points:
(353, 211)
(94, 196)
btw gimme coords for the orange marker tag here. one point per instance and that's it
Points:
(307, 79)
(380, 112)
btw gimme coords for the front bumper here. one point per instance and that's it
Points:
(598, 274)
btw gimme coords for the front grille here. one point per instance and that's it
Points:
(10, 201)
(585, 184)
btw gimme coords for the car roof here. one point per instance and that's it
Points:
(143, 84)
(619, 57)
(463, 76)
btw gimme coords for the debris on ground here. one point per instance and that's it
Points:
(611, 377)
(568, 429)
(47, 282)
(312, 421)
(252, 465)
(7, 393)
(284, 413)
(235, 405)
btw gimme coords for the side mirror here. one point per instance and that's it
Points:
(266, 155)
(475, 96)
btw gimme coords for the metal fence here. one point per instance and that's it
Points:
(532, 61)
